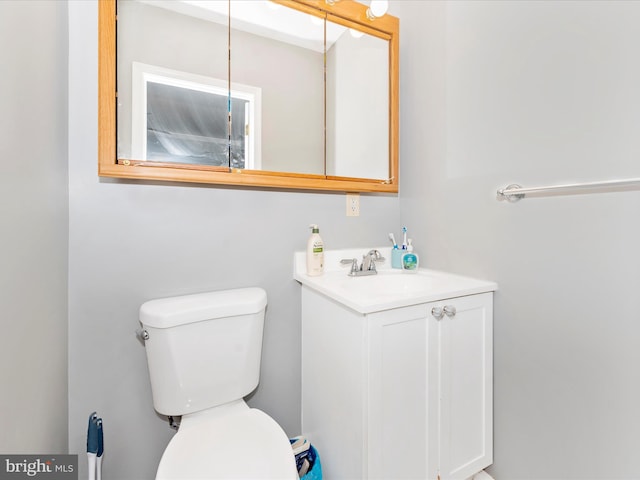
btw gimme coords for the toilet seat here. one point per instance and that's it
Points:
(245, 444)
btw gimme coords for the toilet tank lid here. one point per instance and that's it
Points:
(174, 311)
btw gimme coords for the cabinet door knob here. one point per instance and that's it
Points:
(450, 310)
(437, 312)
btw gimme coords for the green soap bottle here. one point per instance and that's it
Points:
(410, 260)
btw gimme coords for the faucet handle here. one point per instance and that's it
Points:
(353, 262)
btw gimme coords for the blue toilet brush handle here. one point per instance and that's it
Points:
(95, 447)
(92, 434)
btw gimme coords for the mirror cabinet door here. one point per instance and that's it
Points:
(172, 83)
(357, 129)
(278, 52)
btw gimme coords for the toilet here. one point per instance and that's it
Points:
(203, 354)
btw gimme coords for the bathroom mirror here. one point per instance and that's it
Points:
(312, 108)
(357, 105)
(280, 51)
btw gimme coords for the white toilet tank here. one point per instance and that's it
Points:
(203, 350)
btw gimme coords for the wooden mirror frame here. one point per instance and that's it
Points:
(348, 13)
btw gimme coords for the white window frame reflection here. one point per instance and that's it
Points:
(142, 74)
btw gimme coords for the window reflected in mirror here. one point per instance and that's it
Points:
(181, 117)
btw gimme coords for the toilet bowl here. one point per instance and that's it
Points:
(243, 443)
(203, 355)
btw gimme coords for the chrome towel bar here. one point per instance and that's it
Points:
(515, 192)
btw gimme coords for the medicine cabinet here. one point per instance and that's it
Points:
(293, 94)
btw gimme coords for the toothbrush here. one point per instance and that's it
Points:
(404, 240)
(393, 239)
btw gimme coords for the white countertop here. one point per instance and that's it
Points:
(390, 288)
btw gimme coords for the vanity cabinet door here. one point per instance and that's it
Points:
(398, 394)
(430, 387)
(465, 363)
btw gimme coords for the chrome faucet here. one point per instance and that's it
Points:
(369, 260)
(368, 266)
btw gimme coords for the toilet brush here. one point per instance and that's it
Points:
(95, 447)
(100, 450)
(92, 445)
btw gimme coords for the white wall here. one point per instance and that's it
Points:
(33, 231)
(535, 93)
(134, 241)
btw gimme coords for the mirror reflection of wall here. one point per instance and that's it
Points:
(358, 130)
(281, 50)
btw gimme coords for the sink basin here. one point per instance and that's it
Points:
(386, 283)
(390, 288)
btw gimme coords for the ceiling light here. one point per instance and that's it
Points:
(377, 9)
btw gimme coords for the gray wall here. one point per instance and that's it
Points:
(491, 93)
(536, 93)
(133, 241)
(33, 208)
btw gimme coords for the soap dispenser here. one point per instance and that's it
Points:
(315, 253)
(410, 259)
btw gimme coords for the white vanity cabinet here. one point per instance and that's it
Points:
(398, 393)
